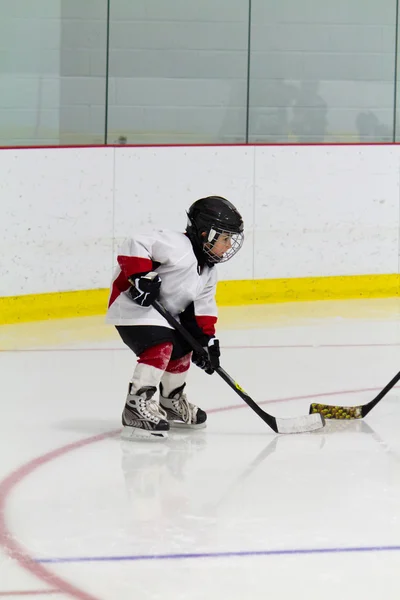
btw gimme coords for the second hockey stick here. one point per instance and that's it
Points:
(330, 411)
(306, 423)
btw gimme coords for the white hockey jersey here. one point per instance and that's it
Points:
(171, 254)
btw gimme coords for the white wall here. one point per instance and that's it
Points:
(308, 210)
(326, 210)
(56, 216)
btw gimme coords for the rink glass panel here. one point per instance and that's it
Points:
(257, 71)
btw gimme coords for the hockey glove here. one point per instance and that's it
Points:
(209, 361)
(145, 288)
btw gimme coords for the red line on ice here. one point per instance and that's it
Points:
(7, 541)
(21, 555)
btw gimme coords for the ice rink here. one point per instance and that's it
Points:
(230, 512)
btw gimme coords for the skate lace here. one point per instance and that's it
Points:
(184, 409)
(154, 409)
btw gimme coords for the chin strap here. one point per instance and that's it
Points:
(199, 253)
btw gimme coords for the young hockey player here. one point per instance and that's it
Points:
(179, 270)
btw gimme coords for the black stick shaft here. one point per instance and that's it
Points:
(381, 394)
(269, 419)
(182, 330)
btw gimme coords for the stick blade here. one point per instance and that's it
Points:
(337, 412)
(304, 424)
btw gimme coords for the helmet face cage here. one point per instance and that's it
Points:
(214, 235)
(210, 221)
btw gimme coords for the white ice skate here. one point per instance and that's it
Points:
(180, 412)
(142, 416)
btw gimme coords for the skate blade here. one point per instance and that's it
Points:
(135, 434)
(183, 425)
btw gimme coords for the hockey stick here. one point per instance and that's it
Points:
(307, 423)
(352, 412)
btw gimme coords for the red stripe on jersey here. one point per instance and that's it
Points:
(131, 265)
(121, 284)
(157, 356)
(207, 324)
(179, 365)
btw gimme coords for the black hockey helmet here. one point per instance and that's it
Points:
(208, 219)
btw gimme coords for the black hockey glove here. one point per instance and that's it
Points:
(145, 288)
(209, 361)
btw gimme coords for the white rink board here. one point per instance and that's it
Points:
(154, 187)
(308, 210)
(326, 211)
(56, 220)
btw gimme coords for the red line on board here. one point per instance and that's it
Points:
(220, 145)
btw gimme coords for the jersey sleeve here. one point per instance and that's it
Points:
(205, 306)
(136, 256)
(141, 254)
